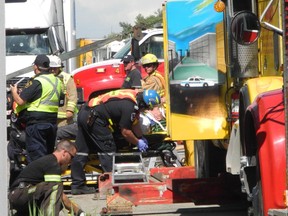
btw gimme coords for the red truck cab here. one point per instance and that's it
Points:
(100, 77)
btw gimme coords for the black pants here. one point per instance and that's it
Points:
(97, 138)
(40, 140)
(44, 198)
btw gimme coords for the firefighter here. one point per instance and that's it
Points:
(40, 100)
(153, 80)
(67, 111)
(133, 75)
(101, 118)
(39, 188)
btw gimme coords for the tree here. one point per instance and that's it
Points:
(142, 22)
(150, 21)
(126, 29)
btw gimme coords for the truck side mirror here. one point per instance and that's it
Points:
(137, 36)
(135, 49)
(245, 28)
(55, 42)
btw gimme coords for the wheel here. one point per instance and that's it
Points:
(257, 200)
(205, 84)
(187, 85)
(201, 158)
(209, 159)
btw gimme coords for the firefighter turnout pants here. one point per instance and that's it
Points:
(44, 198)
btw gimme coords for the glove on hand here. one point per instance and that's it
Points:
(81, 213)
(144, 139)
(142, 145)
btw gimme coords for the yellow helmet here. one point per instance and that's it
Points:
(148, 59)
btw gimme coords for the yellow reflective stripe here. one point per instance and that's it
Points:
(52, 201)
(121, 94)
(32, 189)
(161, 93)
(110, 121)
(61, 115)
(71, 104)
(52, 178)
(111, 128)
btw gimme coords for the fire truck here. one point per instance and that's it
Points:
(263, 168)
(100, 77)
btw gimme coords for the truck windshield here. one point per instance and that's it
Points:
(153, 44)
(27, 42)
(123, 51)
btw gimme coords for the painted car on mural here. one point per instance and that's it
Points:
(197, 82)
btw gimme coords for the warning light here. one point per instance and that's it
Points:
(219, 6)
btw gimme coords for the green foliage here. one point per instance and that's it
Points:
(126, 29)
(150, 21)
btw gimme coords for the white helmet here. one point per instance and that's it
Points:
(55, 61)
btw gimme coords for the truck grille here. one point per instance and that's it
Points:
(22, 84)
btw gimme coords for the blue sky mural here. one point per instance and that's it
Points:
(188, 20)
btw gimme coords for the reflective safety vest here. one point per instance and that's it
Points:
(51, 90)
(18, 108)
(121, 94)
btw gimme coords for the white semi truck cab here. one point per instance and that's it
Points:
(37, 27)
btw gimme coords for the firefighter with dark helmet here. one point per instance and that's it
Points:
(102, 117)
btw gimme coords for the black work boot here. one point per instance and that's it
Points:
(83, 190)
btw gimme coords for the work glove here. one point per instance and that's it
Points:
(81, 213)
(142, 145)
(144, 139)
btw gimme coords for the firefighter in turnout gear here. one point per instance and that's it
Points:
(39, 187)
(40, 101)
(115, 112)
(154, 80)
(67, 111)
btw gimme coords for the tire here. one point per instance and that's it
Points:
(187, 85)
(201, 158)
(257, 202)
(210, 160)
(205, 84)
(244, 102)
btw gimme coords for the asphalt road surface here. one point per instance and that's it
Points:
(93, 206)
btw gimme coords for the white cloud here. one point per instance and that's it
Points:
(95, 19)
